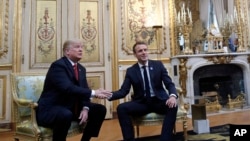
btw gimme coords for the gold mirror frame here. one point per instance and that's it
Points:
(239, 4)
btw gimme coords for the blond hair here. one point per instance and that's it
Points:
(67, 44)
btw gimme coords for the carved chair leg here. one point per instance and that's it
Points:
(185, 129)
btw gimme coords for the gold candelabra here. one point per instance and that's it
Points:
(226, 32)
(234, 25)
(186, 30)
(238, 31)
(184, 27)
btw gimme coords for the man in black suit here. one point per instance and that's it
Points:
(149, 96)
(66, 96)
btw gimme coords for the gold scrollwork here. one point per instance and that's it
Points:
(89, 32)
(46, 33)
(142, 23)
(220, 59)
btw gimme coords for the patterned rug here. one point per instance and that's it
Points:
(218, 133)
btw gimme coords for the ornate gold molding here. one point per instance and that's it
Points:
(172, 32)
(3, 87)
(6, 66)
(4, 28)
(129, 62)
(223, 59)
(183, 75)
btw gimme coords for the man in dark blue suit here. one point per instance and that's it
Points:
(66, 96)
(149, 94)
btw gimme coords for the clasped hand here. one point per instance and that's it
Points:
(101, 93)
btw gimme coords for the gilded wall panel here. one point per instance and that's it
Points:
(91, 31)
(3, 87)
(95, 81)
(143, 21)
(146, 21)
(44, 36)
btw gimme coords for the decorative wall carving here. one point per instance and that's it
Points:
(89, 32)
(91, 29)
(183, 75)
(46, 33)
(143, 21)
(4, 19)
(43, 38)
(220, 59)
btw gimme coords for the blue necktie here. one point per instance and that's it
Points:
(147, 89)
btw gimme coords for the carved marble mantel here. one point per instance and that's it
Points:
(185, 65)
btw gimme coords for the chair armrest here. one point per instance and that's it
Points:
(23, 102)
(33, 107)
(27, 103)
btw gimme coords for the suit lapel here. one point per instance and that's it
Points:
(69, 66)
(71, 69)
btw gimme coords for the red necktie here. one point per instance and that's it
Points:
(76, 70)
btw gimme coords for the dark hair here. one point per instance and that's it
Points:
(138, 43)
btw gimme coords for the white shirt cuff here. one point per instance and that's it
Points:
(92, 93)
(86, 108)
(174, 95)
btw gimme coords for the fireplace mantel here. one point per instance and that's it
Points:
(184, 67)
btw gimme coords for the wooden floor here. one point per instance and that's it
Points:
(110, 130)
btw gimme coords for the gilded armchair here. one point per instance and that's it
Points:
(26, 89)
(157, 119)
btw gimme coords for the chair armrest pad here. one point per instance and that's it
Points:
(23, 102)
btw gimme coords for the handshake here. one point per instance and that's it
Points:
(102, 94)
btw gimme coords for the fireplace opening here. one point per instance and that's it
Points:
(223, 85)
(225, 79)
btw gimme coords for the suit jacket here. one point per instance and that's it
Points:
(158, 77)
(62, 88)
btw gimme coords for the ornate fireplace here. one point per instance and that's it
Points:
(226, 73)
(225, 79)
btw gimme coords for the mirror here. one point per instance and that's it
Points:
(216, 26)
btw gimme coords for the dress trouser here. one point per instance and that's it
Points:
(59, 119)
(139, 108)
(97, 113)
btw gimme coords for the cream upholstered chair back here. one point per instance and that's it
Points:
(26, 90)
